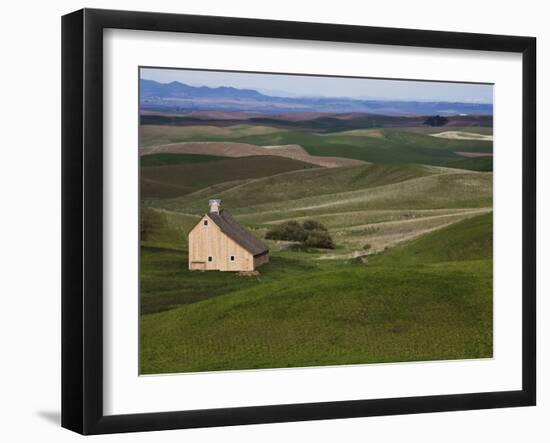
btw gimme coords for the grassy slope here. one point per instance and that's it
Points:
(447, 244)
(166, 282)
(325, 191)
(484, 164)
(310, 182)
(175, 159)
(412, 304)
(184, 176)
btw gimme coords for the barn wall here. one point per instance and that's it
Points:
(205, 241)
(258, 261)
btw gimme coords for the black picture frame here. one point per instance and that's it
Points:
(82, 217)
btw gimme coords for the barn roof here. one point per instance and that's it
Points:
(237, 233)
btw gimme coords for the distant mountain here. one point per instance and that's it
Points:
(180, 97)
(177, 90)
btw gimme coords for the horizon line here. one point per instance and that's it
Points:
(290, 94)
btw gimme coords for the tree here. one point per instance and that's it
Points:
(436, 121)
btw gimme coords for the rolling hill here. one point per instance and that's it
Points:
(182, 176)
(410, 277)
(466, 240)
(386, 145)
(372, 204)
(317, 191)
(405, 307)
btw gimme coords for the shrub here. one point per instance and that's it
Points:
(367, 246)
(319, 239)
(290, 231)
(313, 225)
(310, 233)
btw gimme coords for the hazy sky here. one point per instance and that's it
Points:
(302, 86)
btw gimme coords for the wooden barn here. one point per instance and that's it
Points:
(218, 242)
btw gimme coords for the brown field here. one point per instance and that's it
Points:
(154, 132)
(374, 133)
(229, 149)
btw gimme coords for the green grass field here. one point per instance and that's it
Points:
(484, 164)
(179, 176)
(392, 145)
(322, 191)
(410, 278)
(409, 304)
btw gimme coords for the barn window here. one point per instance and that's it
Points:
(206, 223)
(232, 258)
(210, 258)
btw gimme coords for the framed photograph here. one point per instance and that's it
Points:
(270, 221)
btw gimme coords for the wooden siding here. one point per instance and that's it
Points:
(260, 260)
(210, 241)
